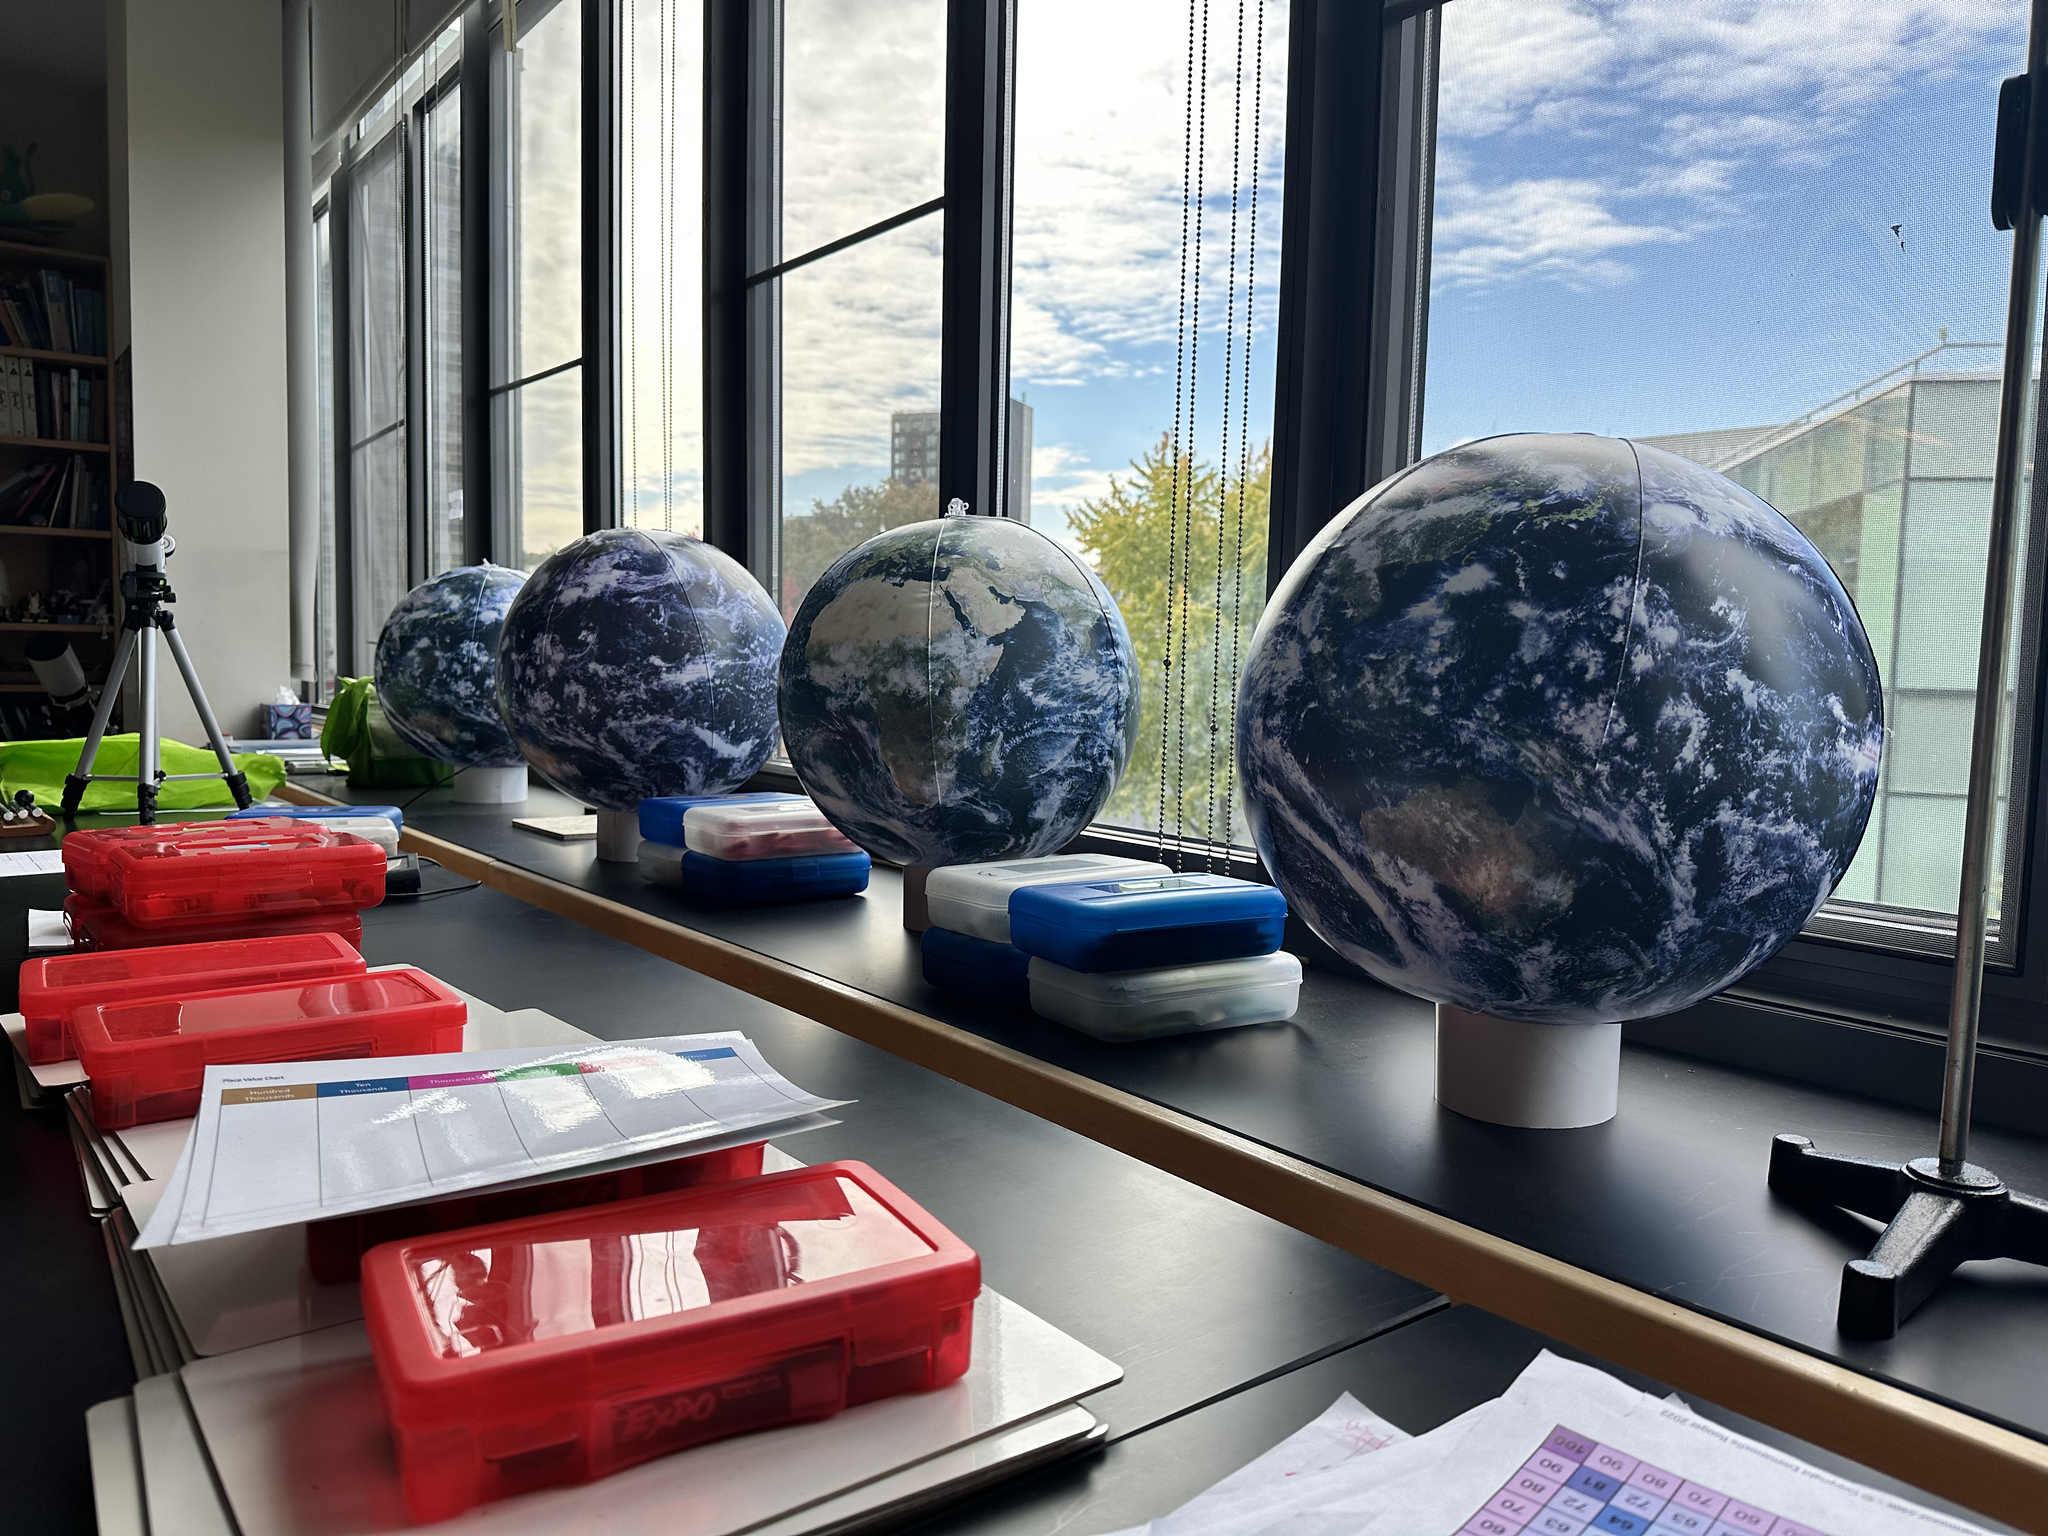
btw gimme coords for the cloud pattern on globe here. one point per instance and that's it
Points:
(437, 666)
(958, 690)
(638, 662)
(1562, 729)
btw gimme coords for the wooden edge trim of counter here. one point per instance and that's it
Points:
(1981, 1465)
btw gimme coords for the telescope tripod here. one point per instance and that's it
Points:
(146, 596)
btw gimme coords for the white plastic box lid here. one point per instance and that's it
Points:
(1121, 988)
(974, 899)
(762, 829)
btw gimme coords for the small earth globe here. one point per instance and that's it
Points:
(958, 690)
(437, 666)
(1563, 729)
(637, 662)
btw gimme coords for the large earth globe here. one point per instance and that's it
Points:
(1563, 729)
(959, 690)
(437, 666)
(637, 662)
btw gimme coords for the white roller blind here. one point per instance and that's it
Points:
(358, 49)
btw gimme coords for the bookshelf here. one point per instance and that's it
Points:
(72, 470)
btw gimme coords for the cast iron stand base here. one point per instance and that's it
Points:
(1934, 1221)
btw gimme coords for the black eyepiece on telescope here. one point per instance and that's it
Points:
(139, 509)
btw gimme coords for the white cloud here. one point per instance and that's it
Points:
(1548, 227)
(1652, 113)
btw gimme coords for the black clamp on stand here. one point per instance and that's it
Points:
(1941, 1210)
(146, 597)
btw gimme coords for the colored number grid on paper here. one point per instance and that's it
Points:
(1574, 1484)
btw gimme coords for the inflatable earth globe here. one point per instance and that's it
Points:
(437, 666)
(637, 662)
(959, 690)
(1562, 729)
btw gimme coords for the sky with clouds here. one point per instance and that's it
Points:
(1651, 217)
(1662, 217)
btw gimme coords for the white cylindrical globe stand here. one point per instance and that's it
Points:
(1543, 1076)
(618, 836)
(491, 786)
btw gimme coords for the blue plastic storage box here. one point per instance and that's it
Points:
(390, 813)
(1157, 920)
(753, 882)
(661, 818)
(977, 968)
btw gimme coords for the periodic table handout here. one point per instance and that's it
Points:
(275, 1144)
(1567, 1450)
(1574, 1485)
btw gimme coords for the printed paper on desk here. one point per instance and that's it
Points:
(275, 1144)
(1570, 1449)
(35, 861)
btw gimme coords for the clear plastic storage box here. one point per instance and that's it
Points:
(321, 813)
(147, 1060)
(754, 882)
(977, 968)
(1129, 925)
(335, 1247)
(94, 925)
(974, 899)
(195, 871)
(564, 1348)
(54, 988)
(661, 816)
(765, 829)
(1175, 1000)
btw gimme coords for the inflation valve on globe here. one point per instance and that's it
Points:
(146, 599)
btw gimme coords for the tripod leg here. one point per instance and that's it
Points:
(148, 745)
(1928, 1238)
(238, 782)
(75, 783)
(1801, 1172)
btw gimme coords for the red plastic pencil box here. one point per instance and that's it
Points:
(335, 1247)
(198, 871)
(98, 926)
(53, 988)
(567, 1347)
(147, 1060)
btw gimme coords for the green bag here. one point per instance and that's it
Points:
(40, 767)
(377, 759)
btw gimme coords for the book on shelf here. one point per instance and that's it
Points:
(17, 380)
(51, 313)
(69, 405)
(66, 493)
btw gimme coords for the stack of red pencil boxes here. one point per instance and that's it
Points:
(197, 881)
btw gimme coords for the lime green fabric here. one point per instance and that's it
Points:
(377, 759)
(40, 767)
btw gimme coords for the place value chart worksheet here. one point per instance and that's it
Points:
(296, 1141)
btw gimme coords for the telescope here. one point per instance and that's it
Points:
(142, 515)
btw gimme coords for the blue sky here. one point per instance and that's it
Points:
(1651, 216)
(1662, 218)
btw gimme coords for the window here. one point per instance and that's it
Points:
(661, 264)
(390, 254)
(326, 629)
(848, 281)
(1142, 306)
(441, 326)
(537, 287)
(1755, 235)
(377, 385)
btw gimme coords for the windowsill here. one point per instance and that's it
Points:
(1669, 1198)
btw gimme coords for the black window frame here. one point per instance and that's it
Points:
(1350, 356)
